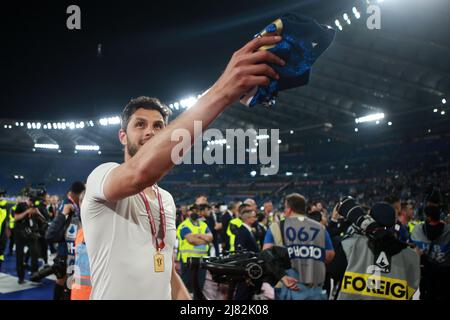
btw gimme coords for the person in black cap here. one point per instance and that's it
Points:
(379, 267)
(433, 243)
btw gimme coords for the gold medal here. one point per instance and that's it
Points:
(158, 260)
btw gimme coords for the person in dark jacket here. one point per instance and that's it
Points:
(245, 240)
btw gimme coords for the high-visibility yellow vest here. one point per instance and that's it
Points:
(3, 215)
(11, 217)
(234, 224)
(186, 249)
(411, 225)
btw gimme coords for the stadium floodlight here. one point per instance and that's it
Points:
(91, 123)
(348, 21)
(356, 13)
(176, 105)
(356, 129)
(17, 124)
(81, 124)
(389, 123)
(5, 126)
(279, 141)
(377, 122)
(16, 177)
(337, 23)
(289, 173)
(33, 125)
(46, 146)
(188, 102)
(103, 121)
(444, 101)
(370, 117)
(435, 110)
(253, 173)
(45, 127)
(99, 152)
(55, 126)
(72, 125)
(443, 112)
(21, 124)
(345, 16)
(21, 177)
(114, 120)
(87, 147)
(291, 132)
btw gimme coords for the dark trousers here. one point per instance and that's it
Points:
(33, 249)
(187, 277)
(11, 242)
(244, 291)
(43, 249)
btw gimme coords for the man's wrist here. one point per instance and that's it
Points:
(216, 97)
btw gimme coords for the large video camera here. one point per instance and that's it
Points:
(58, 268)
(35, 194)
(37, 199)
(253, 268)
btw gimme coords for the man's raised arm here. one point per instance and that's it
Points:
(246, 69)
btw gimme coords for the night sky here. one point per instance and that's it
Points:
(165, 49)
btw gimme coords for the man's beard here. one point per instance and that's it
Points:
(132, 148)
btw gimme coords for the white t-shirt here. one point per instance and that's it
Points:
(120, 245)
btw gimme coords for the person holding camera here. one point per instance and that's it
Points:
(63, 230)
(26, 235)
(309, 247)
(379, 264)
(123, 201)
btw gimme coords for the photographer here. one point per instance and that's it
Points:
(27, 234)
(63, 230)
(38, 198)
(309, 246)
(380, 266)
(433, 244)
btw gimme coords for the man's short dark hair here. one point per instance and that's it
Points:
(243, 206)
(143, 102)
(77, 187)
(296, 202)
(232, 205)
